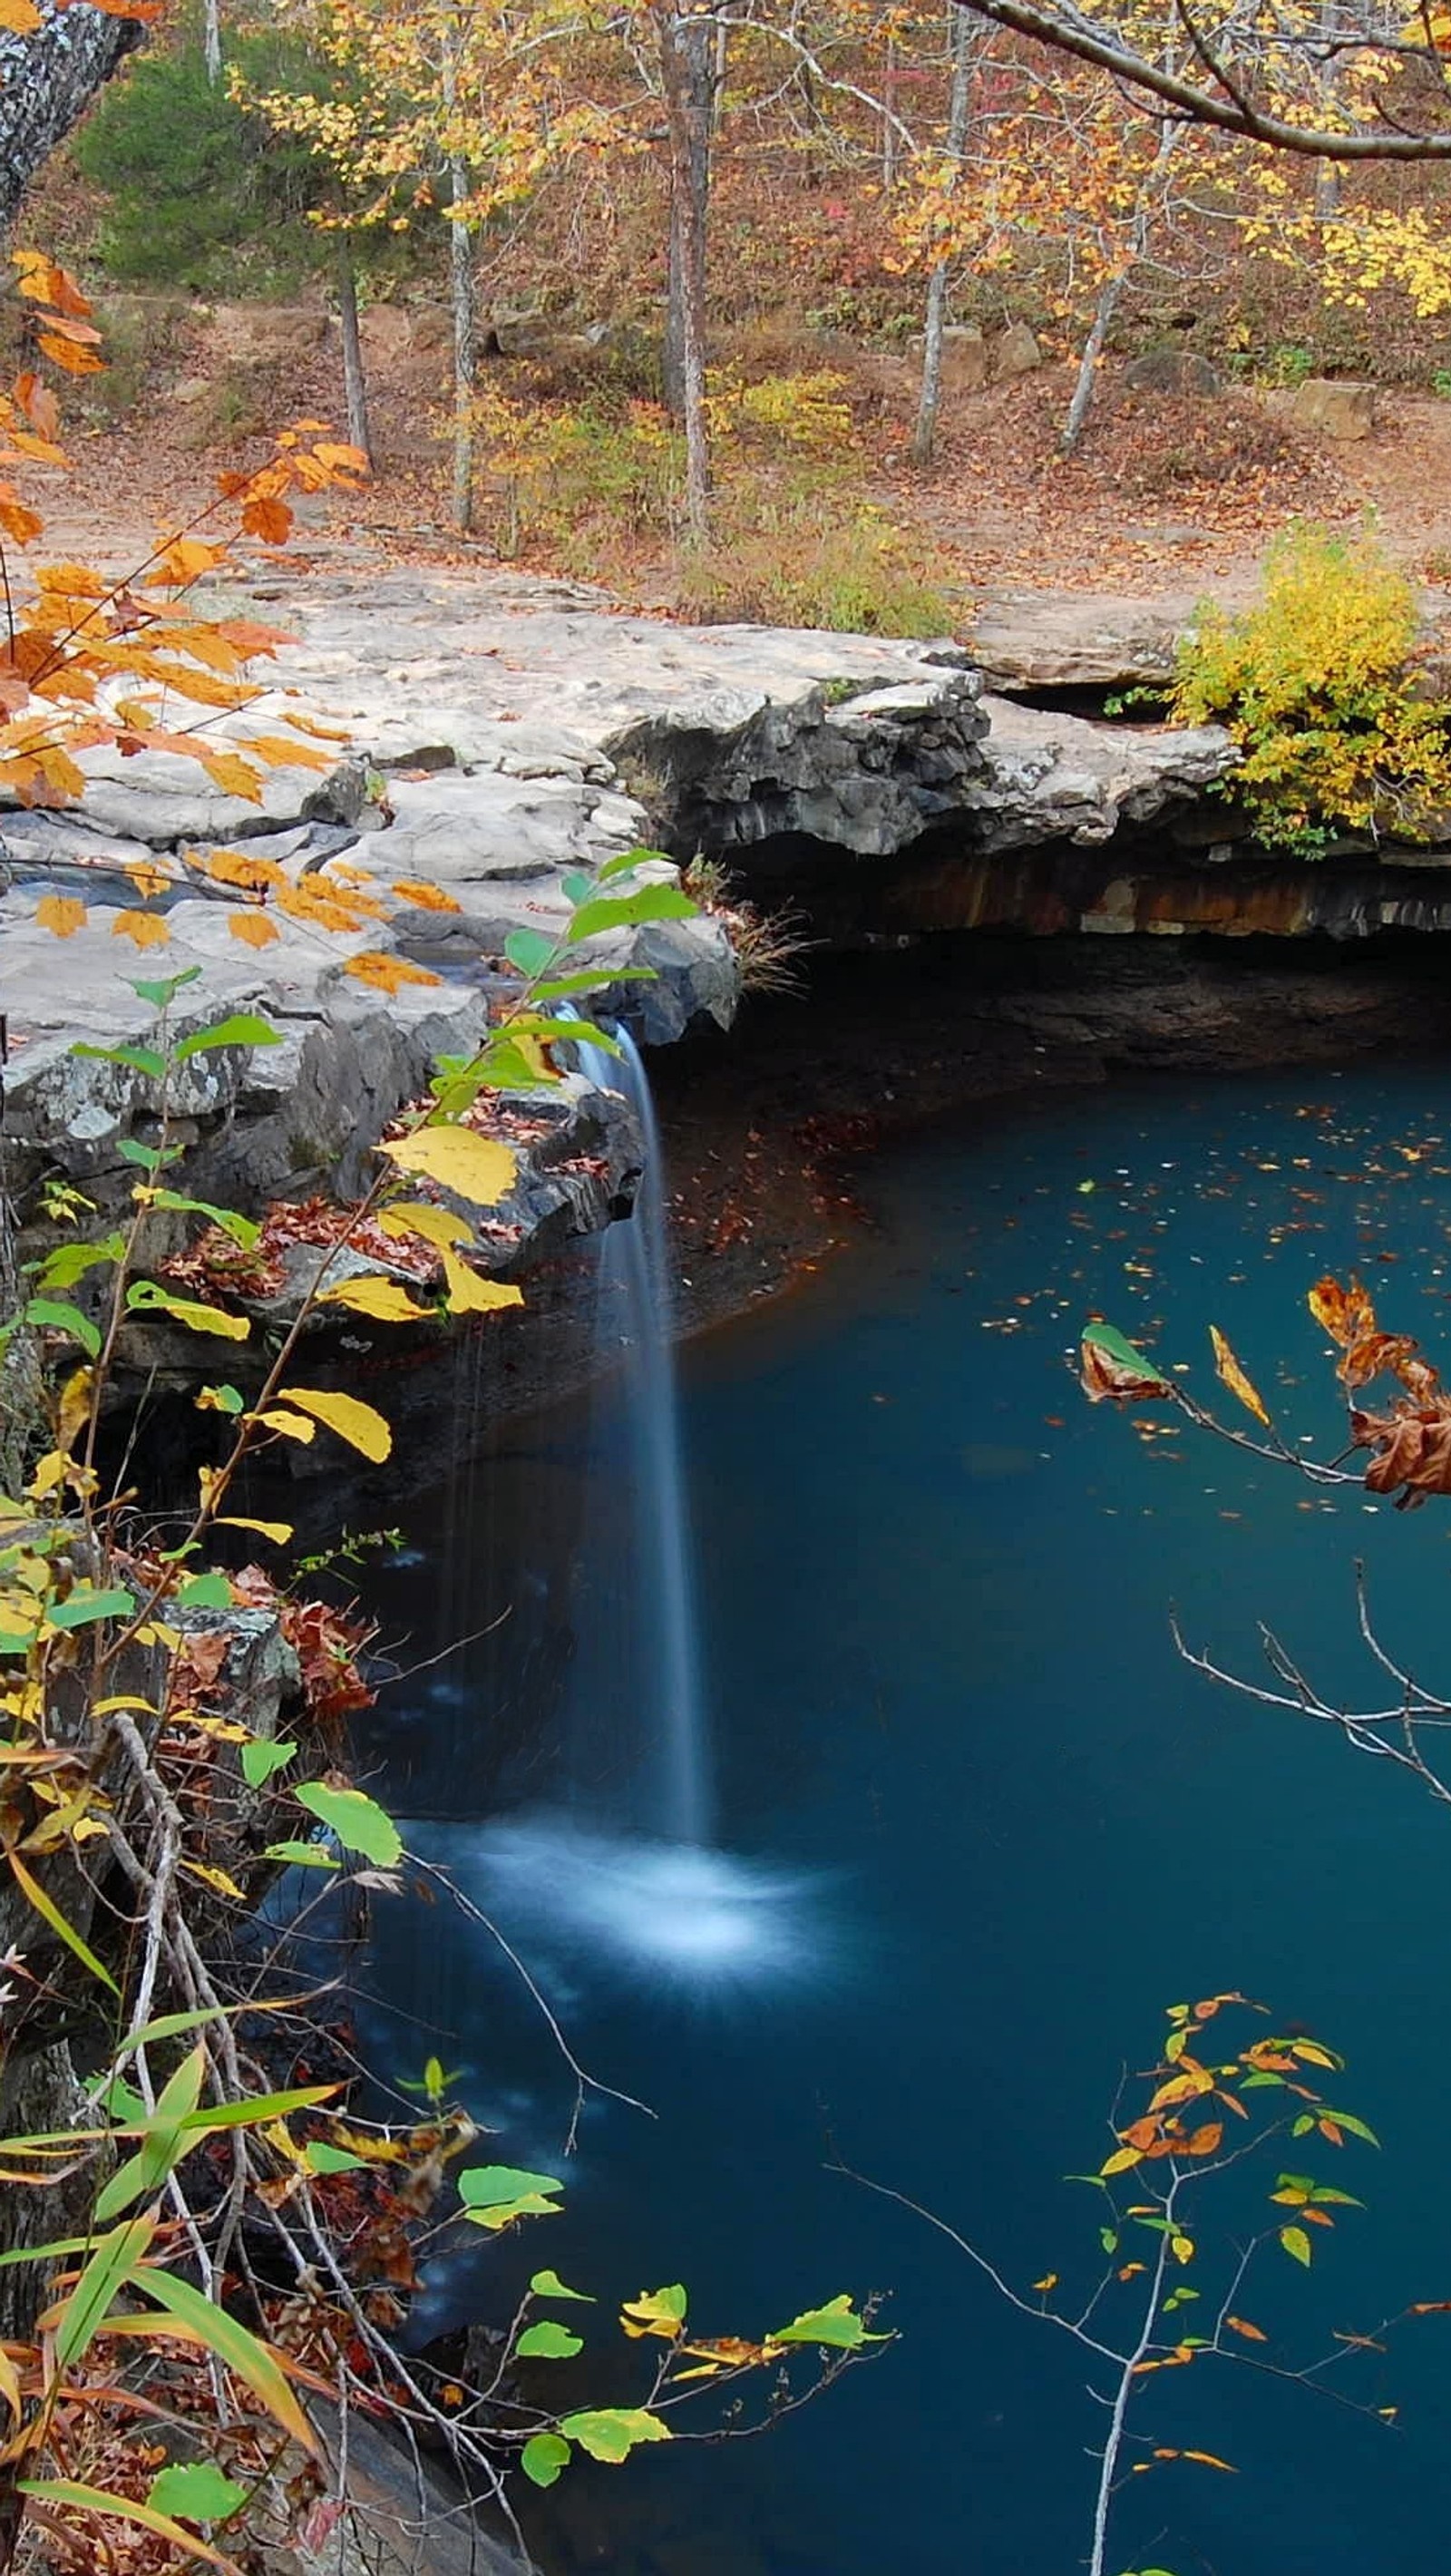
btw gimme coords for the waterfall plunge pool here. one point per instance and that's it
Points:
(977, 1827)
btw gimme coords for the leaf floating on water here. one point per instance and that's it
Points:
(1230, 1374)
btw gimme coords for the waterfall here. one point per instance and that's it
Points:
(637, 1323)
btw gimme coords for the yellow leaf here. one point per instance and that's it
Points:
(19, 17)
(436, 1225)
(428, 898)
(145, 929)
(75, 1406)
(216, 1878)
(253, 929)
(1182, 2248)
(49, 1473)
(293, 1426)
(355, 1422)
(1121, 2161)
(234, 776)
(384, 1299)
(278, 1531)
(468, 1294)
(474, 1167)
(1228, 1369)
(62, 913)
(1048, 2282)
(281, 754)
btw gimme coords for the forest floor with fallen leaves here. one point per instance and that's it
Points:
(1169, 495)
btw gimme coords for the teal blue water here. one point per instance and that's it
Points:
(989, 1827)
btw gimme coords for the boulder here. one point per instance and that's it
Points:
(1333, 407)
(1173, 371)
(964, 359)
(1014, 353)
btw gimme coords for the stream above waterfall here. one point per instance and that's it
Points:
(977, 1828)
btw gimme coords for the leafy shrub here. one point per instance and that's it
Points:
(1318, 685)
(793, 543)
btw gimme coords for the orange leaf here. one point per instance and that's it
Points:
(1242, 2326)
(253, 929)
(68, 354)
(270, 520)
(387, 974)
(235, 868)
(18, 17)
(62, 913)
(1207, 2460)
(145, 929)
(429, 898)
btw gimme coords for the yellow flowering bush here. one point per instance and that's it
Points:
(1318, 683)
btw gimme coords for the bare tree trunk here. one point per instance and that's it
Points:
(963, 50)
(700, 118)
(355, 383)
(1146, 206)
(212, 41)
(461, 299)
(685, 64)
(461, 281)
(47, 81)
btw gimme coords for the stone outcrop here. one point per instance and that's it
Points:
(1333, 407)
(1054, 777)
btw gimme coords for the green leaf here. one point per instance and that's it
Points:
(359, 1823)
(548, 2285)
(1356, 2128)
(611, 2432)
(254, 2362)
(1296, 2242)
(244, 1028)
(542, 2458)
(257, 2106)
(221, 1399)
(1108, 2239)
(82, 1607)
(139, 1059)
(483, 2186)
(146, 1296)
(70, 1261)
(113, 2263)
(49, 1912)
(149, 1158)
(243, 1230)
(162, 993)
(562, 988)
(59, 1318)
(302, 1855)
(196, 2488)
(529, 950)
(262, 1757)
(100, 2500)
(837, 2325)
(548, 2341)
(209, 1591)
(624, 911)
(625, 862)
(323, 2159)
(163, 2145)
(577, 887)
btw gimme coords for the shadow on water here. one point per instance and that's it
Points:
(991, 1827)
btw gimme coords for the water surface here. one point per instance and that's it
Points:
(987, 1827)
